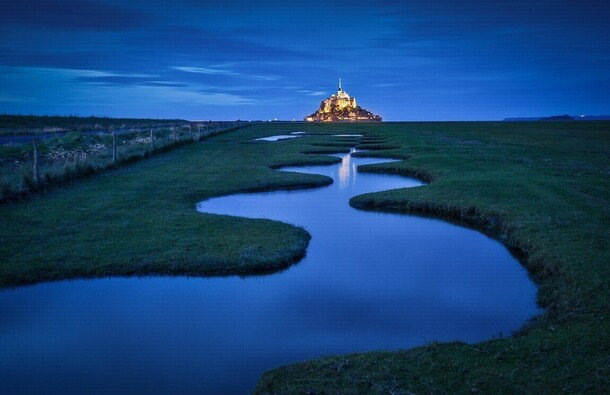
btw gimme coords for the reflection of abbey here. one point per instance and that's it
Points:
(341, 107)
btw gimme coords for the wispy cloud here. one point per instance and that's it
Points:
(263, 77)
(312, 93)
(15, 99)
(218, 71)
(102, 87)
(180, 95)
(410, 59)
(204, 70)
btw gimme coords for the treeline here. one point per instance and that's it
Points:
(20, 124)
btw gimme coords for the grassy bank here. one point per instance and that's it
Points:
(140, 219)
(543, 189)
(64, 158)
(35, 124)
(540, 187)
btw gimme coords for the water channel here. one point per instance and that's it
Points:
(370, 281)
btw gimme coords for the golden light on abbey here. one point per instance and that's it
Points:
(340, 107)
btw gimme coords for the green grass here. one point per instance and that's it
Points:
(141, 219)
(543, 189)
(33, 124)
(63, 159)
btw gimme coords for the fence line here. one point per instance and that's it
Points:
(210, 129)
(60, 166)
(114, 158)
(36, 174)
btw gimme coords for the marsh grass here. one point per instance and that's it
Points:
(76, 155)
(140, 218)
(33, 124)
(543, 189)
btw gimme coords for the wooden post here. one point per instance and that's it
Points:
(36, 176)
(152, 140)
(198, 132)
(114, 148)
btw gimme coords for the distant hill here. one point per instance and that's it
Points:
(521, 119)
(564, 117)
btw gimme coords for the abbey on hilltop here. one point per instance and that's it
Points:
(340, 107)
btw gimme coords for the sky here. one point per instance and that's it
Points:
(258, 59)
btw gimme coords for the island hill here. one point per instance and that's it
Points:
(340, 107)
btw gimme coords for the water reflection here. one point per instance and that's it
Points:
(370, 281)
(279, 137)
(347, 171)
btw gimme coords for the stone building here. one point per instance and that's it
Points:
(340, 107)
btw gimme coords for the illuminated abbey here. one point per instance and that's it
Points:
(340, 107)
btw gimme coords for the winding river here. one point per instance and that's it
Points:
(370, 281)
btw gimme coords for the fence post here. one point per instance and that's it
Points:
(152, 140)
(114, 148)
(199, 132)
(36, 176)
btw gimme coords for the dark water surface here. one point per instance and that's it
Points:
(370, 281)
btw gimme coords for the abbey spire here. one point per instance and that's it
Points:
(342, 108)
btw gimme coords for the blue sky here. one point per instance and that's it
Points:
(404, 60)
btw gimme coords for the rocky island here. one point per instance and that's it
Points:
(340, 107)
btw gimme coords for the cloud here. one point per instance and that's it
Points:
(312, 93)
(261, 58)
(116, 80)
(214, 71)
(181, 95)
(73, 58)
(204, 70)
(263, 77)
(15, 99)
(88, 87)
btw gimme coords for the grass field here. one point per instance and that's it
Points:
(63, 158)
(141, 219)
(33, 124)
(542, 188)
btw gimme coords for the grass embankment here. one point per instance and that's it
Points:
(141, 219)
(543, 188)
(35, 124)
(62, 159)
